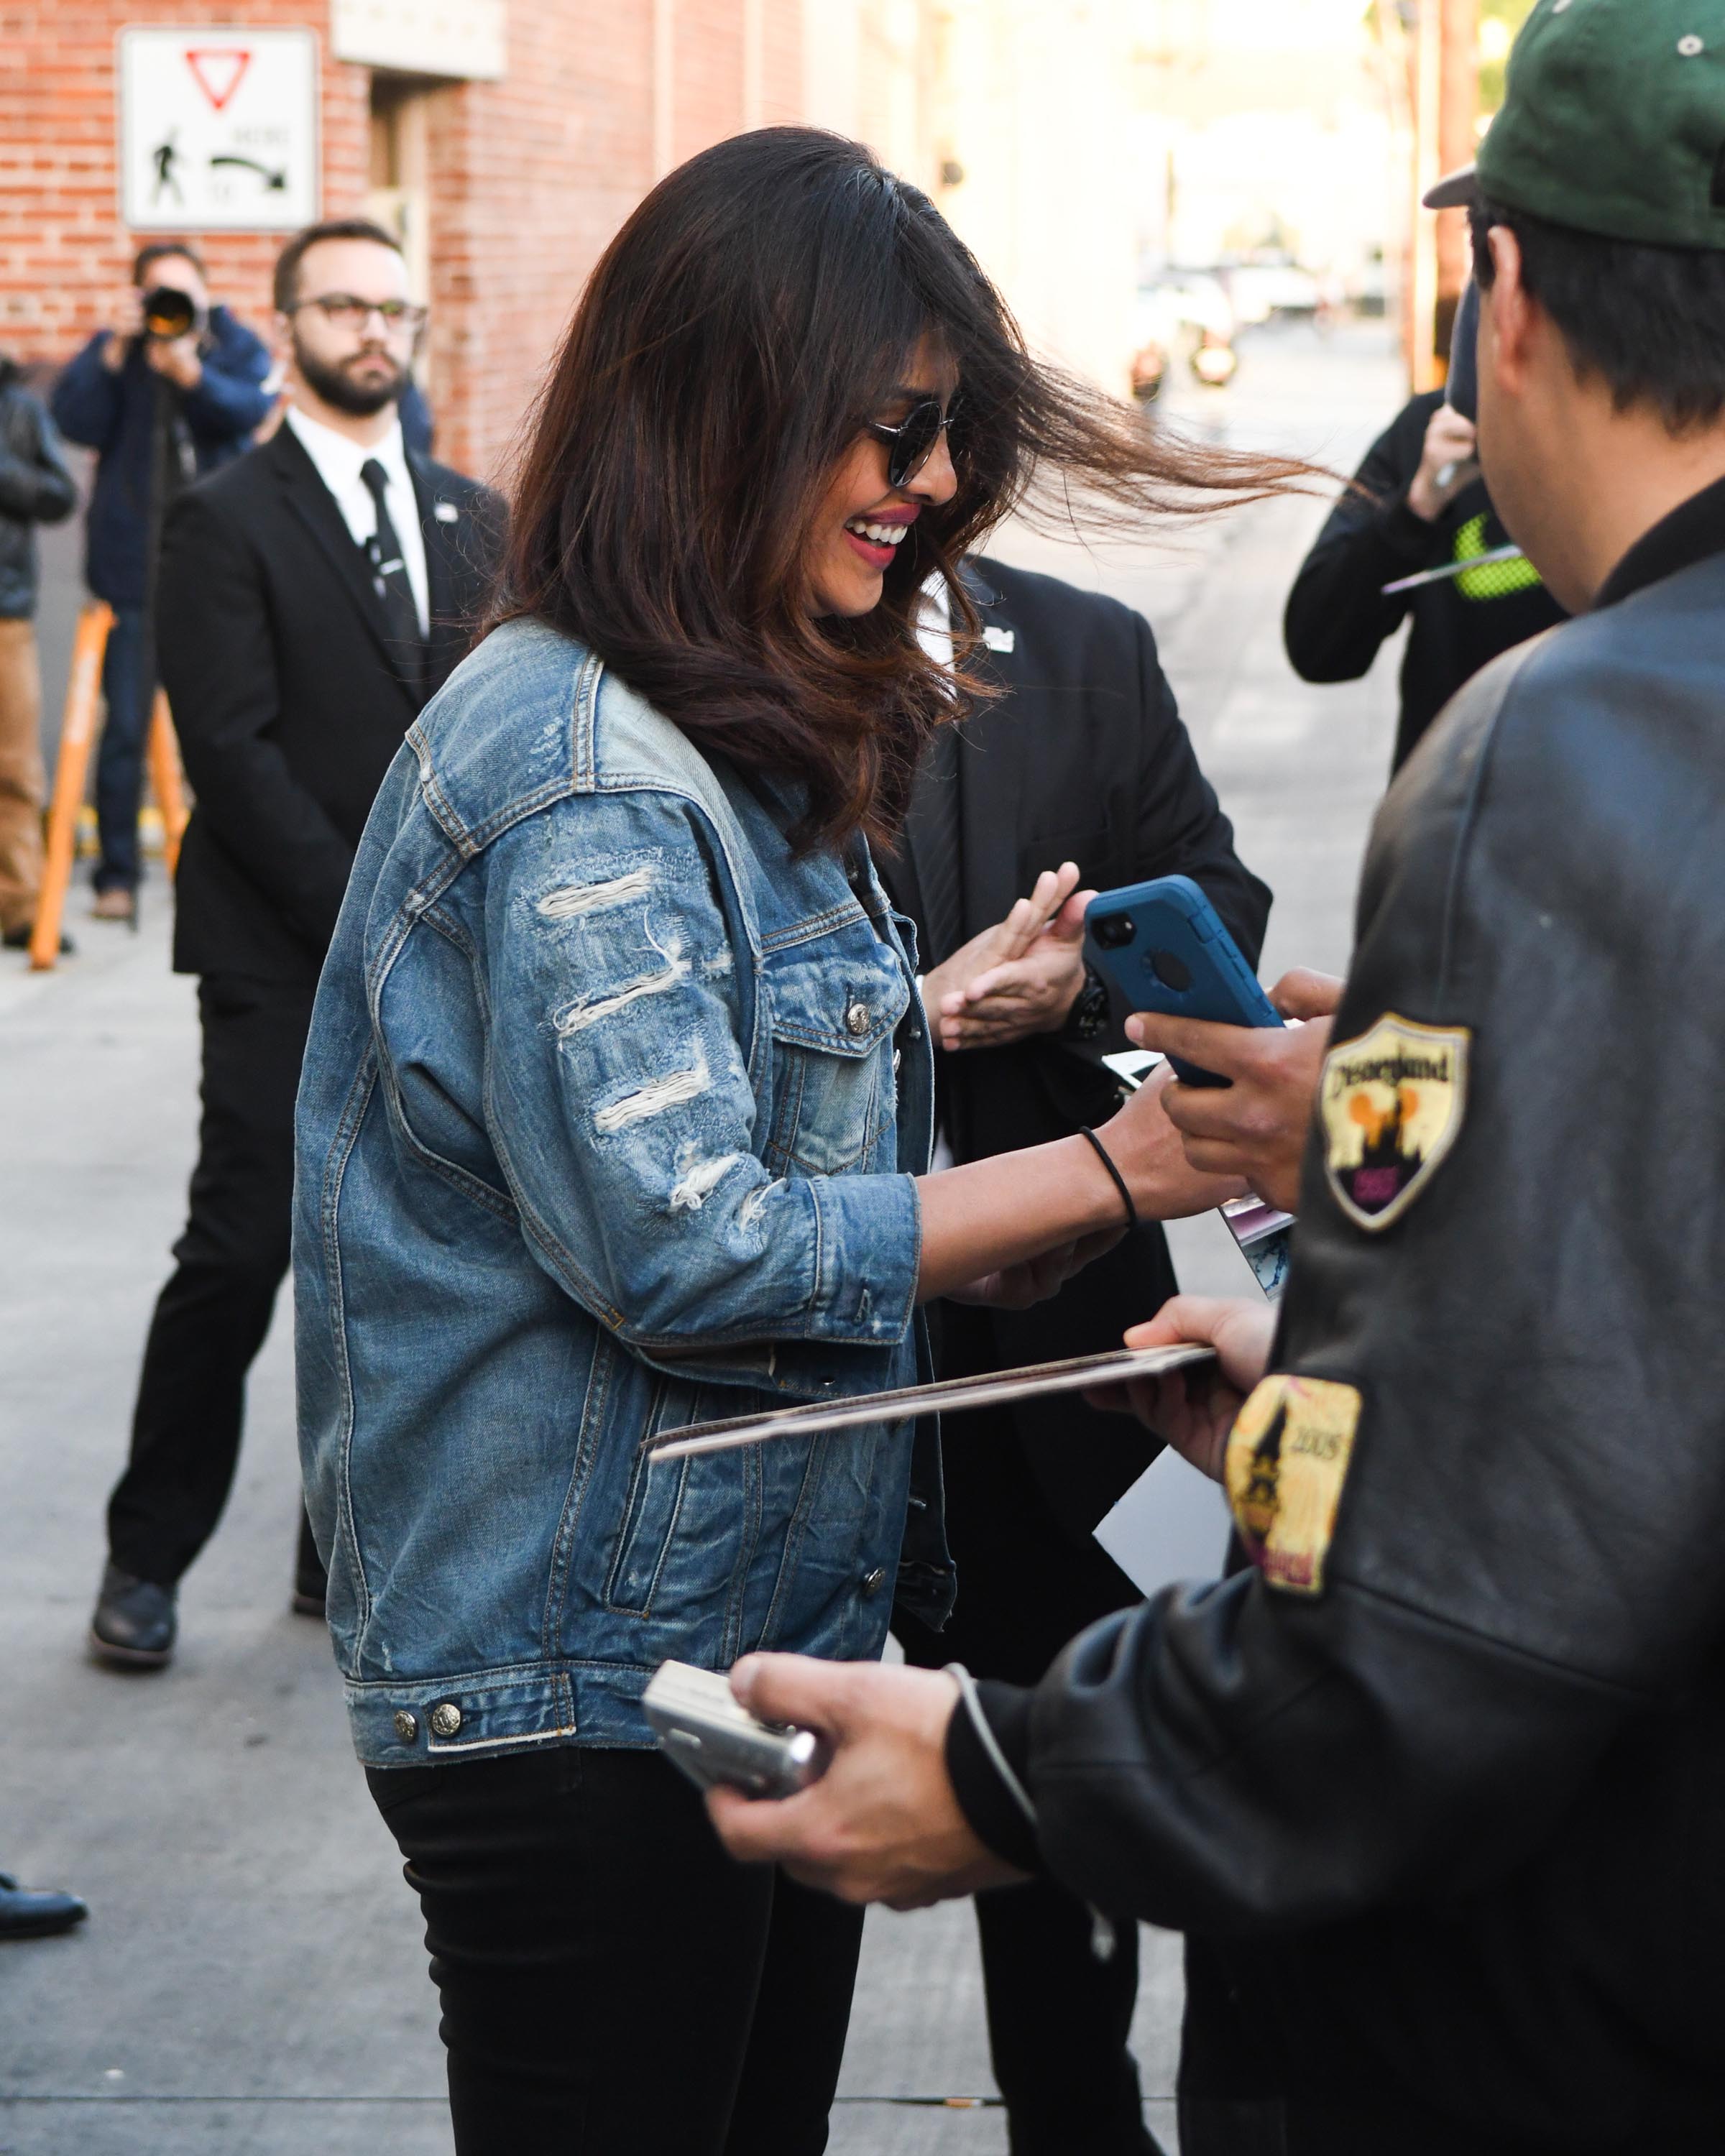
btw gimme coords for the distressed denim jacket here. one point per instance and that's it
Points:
(609, 1121)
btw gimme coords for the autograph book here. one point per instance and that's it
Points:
(946, 1396)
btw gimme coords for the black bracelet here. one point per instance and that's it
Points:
(1101, 1153)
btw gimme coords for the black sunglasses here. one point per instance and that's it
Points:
(911, 444)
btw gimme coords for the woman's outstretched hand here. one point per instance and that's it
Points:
(1150, 1153)
(1008, 1230)
(1194, 1409)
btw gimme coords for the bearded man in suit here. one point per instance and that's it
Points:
(312, 598)
(1080, 770)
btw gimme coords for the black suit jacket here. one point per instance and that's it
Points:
(289, 704)
(1083, 758)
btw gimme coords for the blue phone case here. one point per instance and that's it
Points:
(1163, 946)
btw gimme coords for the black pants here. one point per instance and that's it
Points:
(212, 1316)
(611, 1981)
(1058, 2018)
(119, 752)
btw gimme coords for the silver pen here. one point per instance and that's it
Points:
(1510, 553)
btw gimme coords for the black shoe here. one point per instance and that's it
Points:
(27, 1916)
(134, 1625)
(18, 939)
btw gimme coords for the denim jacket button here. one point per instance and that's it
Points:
(407, 1726)
(445, 1720)
(873, 1582)
(858, 1019)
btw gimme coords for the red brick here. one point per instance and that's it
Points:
(529, 175)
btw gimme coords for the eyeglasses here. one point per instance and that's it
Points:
(911, 444)
(348, 312)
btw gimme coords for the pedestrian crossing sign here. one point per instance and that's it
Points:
(217, 129)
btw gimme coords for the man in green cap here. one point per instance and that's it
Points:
(1432, 1780)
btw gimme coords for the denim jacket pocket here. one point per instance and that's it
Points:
(833, 1007)
(654, 1505)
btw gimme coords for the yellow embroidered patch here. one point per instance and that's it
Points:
(1286, 1460)
(1392, 1102)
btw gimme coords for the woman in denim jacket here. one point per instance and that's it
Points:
(616, 1115)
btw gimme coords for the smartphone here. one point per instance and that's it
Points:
(1162, 945)
(705, 1729)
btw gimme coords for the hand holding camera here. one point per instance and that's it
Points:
(127, 324)
(167, 323)
(173, 322)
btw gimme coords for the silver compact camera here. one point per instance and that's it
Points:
(704, 1729)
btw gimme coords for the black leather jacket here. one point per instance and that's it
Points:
(35, 488)
(1453, 1824)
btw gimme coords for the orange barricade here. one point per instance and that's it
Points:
(77, 732)
(78, 737)
(165, 781)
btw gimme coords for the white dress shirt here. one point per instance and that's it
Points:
(934, 633)
(934, 620)
(338, 461)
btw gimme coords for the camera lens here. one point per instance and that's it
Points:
(1114, 932)
(1172, 970)
(168, 313)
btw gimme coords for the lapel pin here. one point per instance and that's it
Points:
(446, 512)
(998, 639)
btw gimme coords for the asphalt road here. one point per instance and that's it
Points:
(251, 1981)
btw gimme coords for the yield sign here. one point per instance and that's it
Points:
(219, 71)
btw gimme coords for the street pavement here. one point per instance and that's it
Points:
(251, 1981)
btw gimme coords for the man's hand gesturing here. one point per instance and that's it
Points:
(1019, 978)
(1254, 1126)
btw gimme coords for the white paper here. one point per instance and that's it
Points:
(1172, 1524)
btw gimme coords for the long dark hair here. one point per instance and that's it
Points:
(750, 317)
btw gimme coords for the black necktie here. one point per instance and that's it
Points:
(389, 577)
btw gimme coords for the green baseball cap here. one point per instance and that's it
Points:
(1613, 123)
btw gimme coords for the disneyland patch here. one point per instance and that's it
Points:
(1286, 1460)
(1392, 1102)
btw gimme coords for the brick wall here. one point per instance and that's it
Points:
(65, 255)
(529, 176)
(533, 175)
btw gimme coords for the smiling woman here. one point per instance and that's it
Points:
(617, 1115)
(721, 429)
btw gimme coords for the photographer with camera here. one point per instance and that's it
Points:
(171, 390)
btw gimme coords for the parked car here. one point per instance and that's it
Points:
(1182, 315)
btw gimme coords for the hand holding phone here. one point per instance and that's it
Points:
(1163, 947)
(1257, 1127)
(705, 1730)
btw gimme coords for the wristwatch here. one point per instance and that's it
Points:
(1088, 1017)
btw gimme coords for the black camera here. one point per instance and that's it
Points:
(168, 313)
(1114, 932)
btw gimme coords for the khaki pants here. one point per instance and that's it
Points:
(22, 781)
